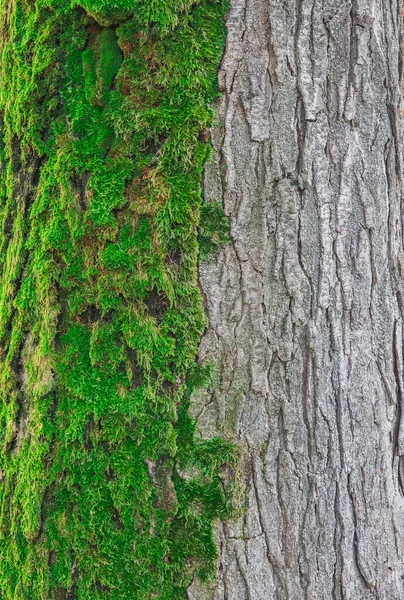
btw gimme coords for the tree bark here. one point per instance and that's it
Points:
(305, 304)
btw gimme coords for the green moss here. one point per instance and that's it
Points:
(101, 62)
(213, 229)
(101, 108)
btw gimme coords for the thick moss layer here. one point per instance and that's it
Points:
(103, 105)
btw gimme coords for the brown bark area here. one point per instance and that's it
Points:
(305, 304)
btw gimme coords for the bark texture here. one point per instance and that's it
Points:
(305, 304)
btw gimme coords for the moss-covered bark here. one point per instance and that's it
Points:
(103, 109)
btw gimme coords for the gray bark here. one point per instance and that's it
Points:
(305, 304)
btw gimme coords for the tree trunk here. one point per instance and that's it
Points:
(104, 109)
(305, 304)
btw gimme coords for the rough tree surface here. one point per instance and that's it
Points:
(305, 304)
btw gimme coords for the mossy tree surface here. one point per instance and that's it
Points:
(102, 107)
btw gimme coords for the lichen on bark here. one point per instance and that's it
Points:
(103, 106)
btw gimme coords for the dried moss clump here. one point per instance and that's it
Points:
(101, 107)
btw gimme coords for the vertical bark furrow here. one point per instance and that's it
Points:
(305, 304)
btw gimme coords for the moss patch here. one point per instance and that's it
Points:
(102, 105)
